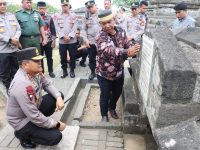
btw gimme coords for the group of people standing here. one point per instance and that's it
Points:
(107, 38)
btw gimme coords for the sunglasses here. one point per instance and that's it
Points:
(3, 4)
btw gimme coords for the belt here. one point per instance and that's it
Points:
(30, 36)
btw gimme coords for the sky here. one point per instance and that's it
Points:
(56, 3)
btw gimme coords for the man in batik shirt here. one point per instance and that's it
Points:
(113, 48)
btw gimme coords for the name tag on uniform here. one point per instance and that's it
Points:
(2, 29)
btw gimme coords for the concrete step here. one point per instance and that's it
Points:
(68, 142)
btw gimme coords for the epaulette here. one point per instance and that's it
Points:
(18, 10)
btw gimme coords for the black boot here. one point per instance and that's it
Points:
(65, 73)
(25, 143)
(92, 75)
(72, 74)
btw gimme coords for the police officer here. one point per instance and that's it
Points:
(32, 26)
(50, 33)
(27, 109)
(90, 30)
(135, 27)
(107, 4)
(121, 18)
(143, 6)
(183, 20)
(66, 26)
(9, 41)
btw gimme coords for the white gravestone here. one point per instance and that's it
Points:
(146, 67)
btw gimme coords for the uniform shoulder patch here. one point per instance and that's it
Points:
(18, 11)
(30, 92)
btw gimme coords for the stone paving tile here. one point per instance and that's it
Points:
(80, 147)
(89, 142)
(115, 133)
(114, 148)
(115, 139)
(103, 135)
(115, 144)
(102, 145)
(90, 131)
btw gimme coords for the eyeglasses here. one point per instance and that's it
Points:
(3, 4)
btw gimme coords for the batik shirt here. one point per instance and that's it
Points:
(111, 54)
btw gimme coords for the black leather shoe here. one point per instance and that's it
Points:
(65, 73)
(92, 76)
(82, 64)
(52, 75)
(28, 144)
(105, 119)
(114, 114)
(72, 74)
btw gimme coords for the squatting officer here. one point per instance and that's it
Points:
(32, 26)
(9, 41)
(27, 109)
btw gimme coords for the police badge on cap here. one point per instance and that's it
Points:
(89, 3)
(30, 53)
(64, 2)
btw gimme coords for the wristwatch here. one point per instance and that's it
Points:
(58, 125)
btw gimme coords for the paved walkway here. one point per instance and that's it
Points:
(74, 137)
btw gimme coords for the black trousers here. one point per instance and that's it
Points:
(92, 52)
(110, 93)
(8, 67)
(41, 135)
(47, 51)
(63, 48)
(82, 53)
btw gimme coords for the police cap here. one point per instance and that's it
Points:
(89, 3)
(105, 15)
(30, 53)
(41, 4)
(134, 6)
(64, 2)
(180, 6)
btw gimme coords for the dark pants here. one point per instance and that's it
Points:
(47, 51)
(8, 67)
(92, 52)
(40, 135)
(72, 48)
(30, 42)
(82, 53)
(110, 93)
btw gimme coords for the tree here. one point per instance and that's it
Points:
(15, 7)
(125, 3)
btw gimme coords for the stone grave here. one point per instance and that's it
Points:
(167, 78)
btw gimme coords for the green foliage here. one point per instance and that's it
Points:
(125, 3)
(14, 7)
